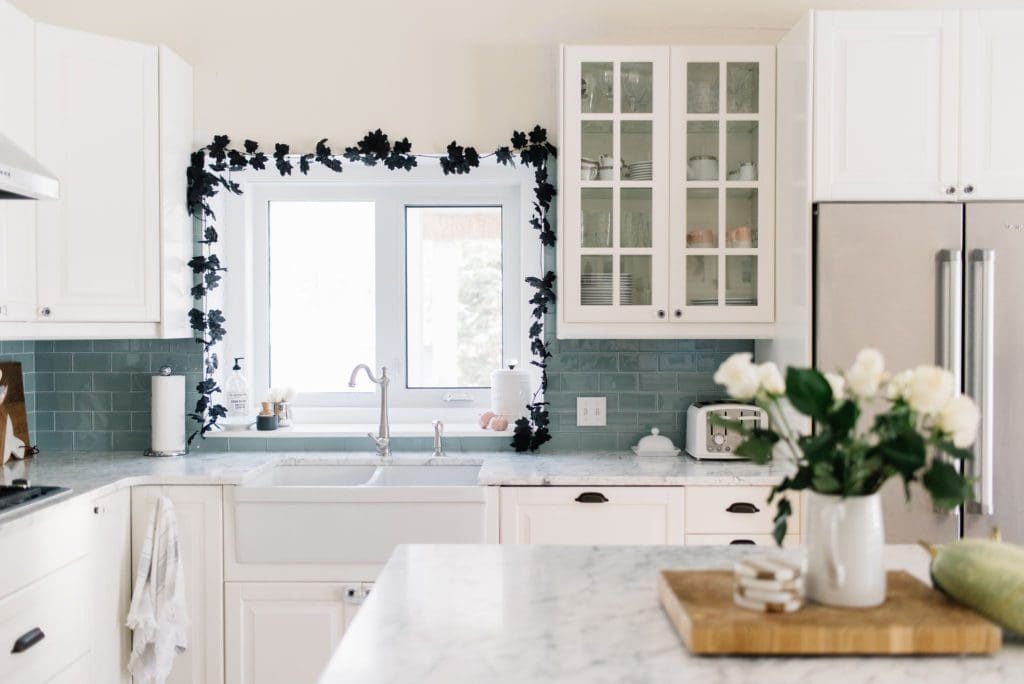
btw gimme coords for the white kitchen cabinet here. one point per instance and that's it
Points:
(886, 93)
(991, 99)
(200, 527)
(672, 235)
(98, 130)
(725, 514)
(17, 123)
(110, 584)
(592, 515)
(285, 631)
(112, 119)
(918, 105)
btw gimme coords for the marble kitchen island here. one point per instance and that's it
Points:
(583, 614)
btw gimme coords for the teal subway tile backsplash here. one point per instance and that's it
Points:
(94, 395)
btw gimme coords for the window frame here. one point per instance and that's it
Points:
(244, 223)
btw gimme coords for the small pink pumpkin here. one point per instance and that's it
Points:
(486, 418)
(499, 423)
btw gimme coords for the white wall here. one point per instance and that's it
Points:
(427, 69)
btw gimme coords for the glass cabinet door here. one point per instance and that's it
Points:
(614, 235)
(723, 138)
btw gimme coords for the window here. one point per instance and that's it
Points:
(453, 313)
(416, 272)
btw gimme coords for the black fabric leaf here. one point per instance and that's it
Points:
(251, 146)
(284, 166)
(518, 140)
(503, 155)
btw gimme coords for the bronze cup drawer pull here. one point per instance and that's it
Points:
(592, 497)
(737, 542)
(742, 507)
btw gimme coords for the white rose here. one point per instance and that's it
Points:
(739, 376)
(866, 373)
(959, 418)
(838, 385)
(771, 379)
(929, 389)
(898, 386)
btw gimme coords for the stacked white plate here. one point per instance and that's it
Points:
(640, 171)
(596, 289)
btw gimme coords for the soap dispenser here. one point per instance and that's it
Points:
(236, 392)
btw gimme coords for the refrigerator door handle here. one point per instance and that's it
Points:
(980, 372)
(950, 316)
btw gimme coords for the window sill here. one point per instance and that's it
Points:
(313, 430)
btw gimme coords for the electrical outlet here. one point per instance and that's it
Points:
(590, 412)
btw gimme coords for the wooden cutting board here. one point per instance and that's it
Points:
(915, 619)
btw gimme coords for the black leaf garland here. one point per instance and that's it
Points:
(209, 171)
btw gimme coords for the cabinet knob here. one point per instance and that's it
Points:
(950, 189)
(661, 313)
(678, 313)
(3, 309)
(46, 311)
(968, 189)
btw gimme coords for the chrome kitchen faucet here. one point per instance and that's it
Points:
(383, 438)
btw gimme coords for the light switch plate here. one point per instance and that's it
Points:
(590, 411)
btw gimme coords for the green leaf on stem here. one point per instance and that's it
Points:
(818, 448)
(782, 513)
(904, 452)
(824, 480)
(947, 487)
(844, 417)
(809, 392)
(948, 447)
(758, 446)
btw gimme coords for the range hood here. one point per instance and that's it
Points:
(22, 177)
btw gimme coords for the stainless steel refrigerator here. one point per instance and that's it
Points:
(944, 284)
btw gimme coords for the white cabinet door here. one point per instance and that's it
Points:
(110, 584)
(200, 526)
(97, 129)
(991, 100)
(885, 105)
(285, 631)
(592, 515)
(613, 244)
(17, 123)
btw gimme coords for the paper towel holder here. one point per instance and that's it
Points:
(165, 371)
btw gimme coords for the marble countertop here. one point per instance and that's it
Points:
(582, 614)
(99, 473)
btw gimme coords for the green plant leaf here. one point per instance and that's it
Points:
(844, 417)
(947, 487)
(799, 480)
(824, 480)
(818, 448)
(905, 452)
(782, 513)
(948, 447)
(809, 392)
(758, 447)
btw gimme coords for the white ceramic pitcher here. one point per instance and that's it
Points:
(845, 541)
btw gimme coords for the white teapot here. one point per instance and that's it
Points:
(702, 167)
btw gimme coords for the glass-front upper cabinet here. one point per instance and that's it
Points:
(615, 184)
(723, 140)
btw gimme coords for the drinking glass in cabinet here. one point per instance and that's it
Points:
(636, 78)
(702, 218)
(741, 150)
(596, 145)
(702, 150)
(702, 88)
(702, 280)
(596, 280)
(741, 80)
(741, 217)
(636, 144)
(635, 217)
(596, 217)
(635, 280)
(741, 280)
(596, 88)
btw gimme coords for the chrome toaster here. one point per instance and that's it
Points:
(707, 441)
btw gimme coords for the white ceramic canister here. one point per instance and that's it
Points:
(845, 541)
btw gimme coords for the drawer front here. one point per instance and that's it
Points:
(734, 510)
(55, 606)
(592, 515)
(42, 542)
(740, 540)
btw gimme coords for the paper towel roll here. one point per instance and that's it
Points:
(510, 393)
(168, 414)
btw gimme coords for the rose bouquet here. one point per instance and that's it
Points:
(919, 426)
